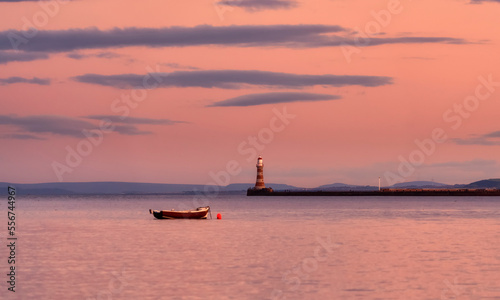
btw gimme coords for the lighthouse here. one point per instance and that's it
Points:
(260, 187)
(259, 184)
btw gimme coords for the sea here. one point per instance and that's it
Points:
(111, 247)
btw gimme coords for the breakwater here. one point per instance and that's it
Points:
(383, 192)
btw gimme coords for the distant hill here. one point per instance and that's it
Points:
(344, 187)
(69, 188)
(419, 184)
(102, 188)
(334, 185)
(403, 185)
(485, 184)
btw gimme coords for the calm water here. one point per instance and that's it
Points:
(110, 247)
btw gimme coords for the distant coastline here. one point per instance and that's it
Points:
(383, 192)
(134, 188)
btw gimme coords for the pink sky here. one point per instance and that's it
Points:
(430, 58)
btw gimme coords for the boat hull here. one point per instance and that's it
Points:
(199, 213)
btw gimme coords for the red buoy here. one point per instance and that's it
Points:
(219, 216)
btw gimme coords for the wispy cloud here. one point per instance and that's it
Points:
(418, 57)
(481, 1)
(494, 134)
(15, 79)
(290, 36)
(254, 5)
(105, 54)
(272, 98)
(11, 56)
(38, 126)
(179, 66)
(476, 164)
(130, 130)
(133, 120)
(456, 171)
(489, 139)
(234, 79)
(21, 136)
(47, 124)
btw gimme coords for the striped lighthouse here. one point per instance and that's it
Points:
(259, 184)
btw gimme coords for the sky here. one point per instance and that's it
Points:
(193, 92)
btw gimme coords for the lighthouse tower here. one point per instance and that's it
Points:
(259, 184)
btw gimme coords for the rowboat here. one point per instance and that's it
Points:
(199, 213)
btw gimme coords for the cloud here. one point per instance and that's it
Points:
(456, 171)
(104, 54)
(494, 134)
(133, 120)
(37, 126)
(481, 1)
(489, 139)
(129, 130)
(253, 5)
(34, 80)
(47, 124)
(231, 79)
(397, 40)
(459, 171)
(10, 56)
(466, 165)
(271, 98)
(291, 36)
(418, 57)
(21, 136)
(179, 66)
(92, 38)
(476, 141)
(76, 55)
